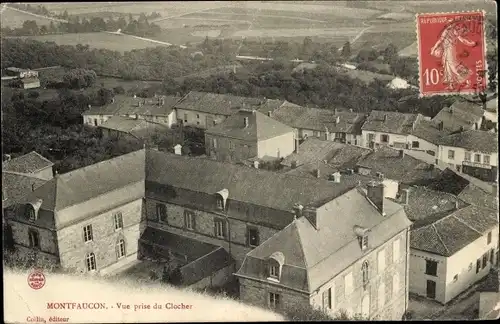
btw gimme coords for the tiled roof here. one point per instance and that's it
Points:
(455, 231)
(125, 105)
(491, 283)
(311, 150)
(260, 127)
(430, 132)
(313, 257)
(391, 122)
(277, 191)
(80, 185)
(129, 125)
(460, 114)
(215, 103)
(270, 105)
(406, 169)
(473, 140)
(28, 163)
(319, 119)
(17, 185)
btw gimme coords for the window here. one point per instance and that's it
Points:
(363, 241)
(161, 213)
(384, 138)
(467, 156)
(253, 236)
(34, 238)
(90, 260)
(197, 123)
(274, 270)
(327, 299)
(488, 240)
(486, 159)
(431, 267)
(478, 265)
(317, 133)
(364, 269)
(455, 278)
(219, 203)
(348, 284)
(198, 116)
(492, 256)
(118, 221)
(395, 285)
(274, 300)
(95, 122)
(381, 295)
(214, 142)
(30, 212)
(120, 249)
(87, 233)
(415, 144)
(395, 251)
(219, 228)
(381, 261)
(451, 154)
(477, 158)
(189, 220)
(485, 260)
(185, 118)
(231, 145)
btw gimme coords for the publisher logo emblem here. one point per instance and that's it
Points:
(36, 279)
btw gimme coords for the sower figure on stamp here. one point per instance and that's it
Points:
(454, 72)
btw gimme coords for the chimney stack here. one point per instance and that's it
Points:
(245, 120)
(350, 110)
(135, 96)
(327, 134)
(337, 120)
(401, 153)
(112, 100)
(335, 111)
(311, 214)
(136, 116)
(256, 164)
(297, 143)
(375, 192)
(336, 177)
(297, 209)
(456, 204)
(89, 106)
(441, 125)
(269, 114)
(8, 157)
(293, 164)
(317, 173)
(178, 149)
(385, 118)
(405, 196)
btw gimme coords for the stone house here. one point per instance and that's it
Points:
(347, 252)
(453, 244)
(249, 134)
(130, 128)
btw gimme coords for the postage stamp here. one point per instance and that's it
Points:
(451, 53)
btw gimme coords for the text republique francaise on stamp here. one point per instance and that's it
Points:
(451, 53)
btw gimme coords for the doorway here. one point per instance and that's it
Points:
(431, 289)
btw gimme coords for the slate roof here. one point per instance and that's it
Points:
(260, 127)
(405, 169)
(28, 163)
(473, 140)
(395, 122)
(15, 186)
(491, 283)
(277, 191)
(206, 266)
(317, 119)
(313, 257)
(455, 231)
(125, 105)
(80, 185)
(218, 104)
(460, 114)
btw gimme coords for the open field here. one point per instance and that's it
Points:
(121, 43)
(14, 19)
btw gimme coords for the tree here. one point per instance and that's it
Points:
(80, 78)
(390, 52)
(175, 277)
(346, 50)
(104, 96)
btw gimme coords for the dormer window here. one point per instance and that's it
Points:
(275, 264)
(364, 242)
(362, 234)
(274, 271)
(30, 213)
(219, 203)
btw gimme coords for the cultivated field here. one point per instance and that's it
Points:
(14, 19)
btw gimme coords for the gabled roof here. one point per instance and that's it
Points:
(260, 127)
(460, 114)
(28, 163)
(15, 186)
(215, 103)
(313, 257)
(454, 231)
(89, 182)
(319, 119)
(430, 132)
(473, 140)
(391, 122)
(124, 105)
(389, 162)
(277, 191)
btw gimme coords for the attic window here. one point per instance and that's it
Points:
(30, 213)
(274, 271)
(219, 203)
(363, 242)
(275, 263)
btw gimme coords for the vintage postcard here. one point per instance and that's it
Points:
(243, 161)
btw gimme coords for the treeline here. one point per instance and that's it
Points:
(138, 27)
(142, 64)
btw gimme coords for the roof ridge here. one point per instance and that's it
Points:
(302, 250)
(469, 226)
(440, 239)
(28, 175)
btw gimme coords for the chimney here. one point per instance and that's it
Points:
(413, 125)
(297, 143)
(89, 106)
(335, 111)
(405, 195)
(297, 210)
(269, 114)
(112, 100)
(385, 118)
(462, 128)
(245, 121)
(441, 125)
(327, 133)
(336, 177)
(375, 192)
(32, 187)
(293, 164)
(476, 127)
(337, 120)
(456, 204)
(350, 110)
(451, 110)
(401, 153)
(311, 215)
(256, 164)
(317, 173)
(178, 149)
(135, 96)
(8, 157)
(136, 116)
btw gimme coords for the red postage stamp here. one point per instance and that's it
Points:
(451, 53)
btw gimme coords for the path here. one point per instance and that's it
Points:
(184, 14)
(33, 14)
(271, 16)
(119, 33)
